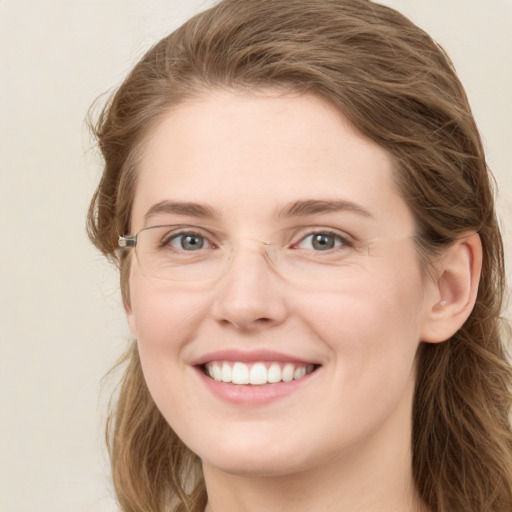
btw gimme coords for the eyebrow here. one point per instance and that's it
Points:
(315, 207)
(188, 209)
(301, 208)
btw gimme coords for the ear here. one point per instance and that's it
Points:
(454, 293)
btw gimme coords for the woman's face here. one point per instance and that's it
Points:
(340, 302)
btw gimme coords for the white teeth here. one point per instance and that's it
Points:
(240, 374)
(274, 373)
(256, 374)
(288, 372)
(226, 373)
(299, 372)
(217, 372)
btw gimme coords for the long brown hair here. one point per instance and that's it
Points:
(397, 86)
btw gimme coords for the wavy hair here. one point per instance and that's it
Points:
(398, 87)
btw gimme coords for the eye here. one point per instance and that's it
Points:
(323, 241)
(187, 242)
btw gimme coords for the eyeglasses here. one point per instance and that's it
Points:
(192, 253)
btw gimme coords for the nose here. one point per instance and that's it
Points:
(250, 295)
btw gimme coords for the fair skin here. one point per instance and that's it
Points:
(339, 437)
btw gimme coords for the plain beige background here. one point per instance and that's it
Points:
(62, 325)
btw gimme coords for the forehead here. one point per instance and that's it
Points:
(248, 154)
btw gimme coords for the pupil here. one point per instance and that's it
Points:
(192, 242)
(323, 242)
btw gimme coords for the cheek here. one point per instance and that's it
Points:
(371, 324)
(164, 320)
(162, 317)
(373, 304)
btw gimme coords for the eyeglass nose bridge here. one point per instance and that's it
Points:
(269, 248)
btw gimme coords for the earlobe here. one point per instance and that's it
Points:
(456, 289)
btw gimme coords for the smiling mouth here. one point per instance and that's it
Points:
(258, 373)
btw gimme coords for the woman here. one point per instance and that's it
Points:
(297, 197)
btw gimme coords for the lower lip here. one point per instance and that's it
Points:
(248, 394)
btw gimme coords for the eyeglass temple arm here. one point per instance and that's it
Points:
(127, 241)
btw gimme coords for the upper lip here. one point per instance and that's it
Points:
(249, 356)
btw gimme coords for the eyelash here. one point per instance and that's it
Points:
(341, 240)
(169, 238)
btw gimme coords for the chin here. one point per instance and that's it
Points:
(255, 466)
(265, 458)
